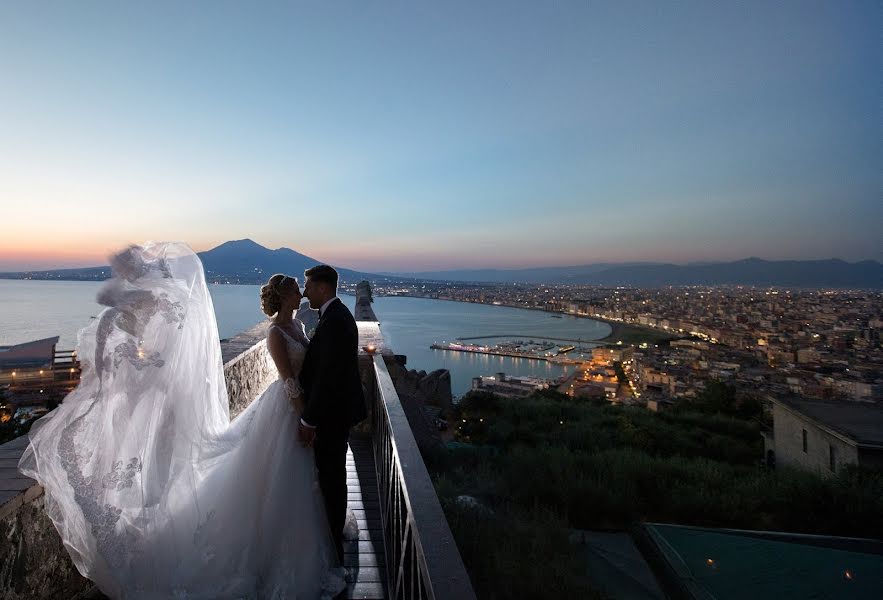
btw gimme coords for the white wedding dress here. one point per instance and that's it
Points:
(155, 492)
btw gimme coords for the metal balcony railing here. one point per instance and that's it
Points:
(422, 559)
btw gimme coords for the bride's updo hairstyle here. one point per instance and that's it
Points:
(278, 287)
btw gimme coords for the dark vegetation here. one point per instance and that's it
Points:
(540, 466)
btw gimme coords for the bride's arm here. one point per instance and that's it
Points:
(279, 353)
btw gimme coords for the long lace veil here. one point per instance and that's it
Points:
(121, 459)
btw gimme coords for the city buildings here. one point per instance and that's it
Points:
(812, 343)
(509, 386)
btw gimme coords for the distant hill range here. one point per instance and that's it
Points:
(866, 274)
(245, 261)
(239, 261)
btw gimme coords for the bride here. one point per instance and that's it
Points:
(154, 491)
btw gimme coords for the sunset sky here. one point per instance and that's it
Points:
(419, 136)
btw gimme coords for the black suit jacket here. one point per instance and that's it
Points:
(330, 373)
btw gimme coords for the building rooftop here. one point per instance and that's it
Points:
(38, 353)
(705, 563)
(859, 421)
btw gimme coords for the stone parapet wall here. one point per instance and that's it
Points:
(33, 561)
(248, 367)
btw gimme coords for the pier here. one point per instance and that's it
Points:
(554, 339)
(557, 359)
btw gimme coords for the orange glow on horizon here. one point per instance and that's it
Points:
(43, 254)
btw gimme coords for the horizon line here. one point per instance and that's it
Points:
(472, 268)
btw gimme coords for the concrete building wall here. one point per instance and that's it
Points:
(789, 428)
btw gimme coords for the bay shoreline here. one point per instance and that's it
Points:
(619, 331)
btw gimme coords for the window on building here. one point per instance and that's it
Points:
(804, 440)
(832, 458)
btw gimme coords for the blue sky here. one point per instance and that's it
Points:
(400, 136)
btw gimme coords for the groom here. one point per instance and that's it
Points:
(333, 392)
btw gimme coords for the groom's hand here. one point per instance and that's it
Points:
(307, 435)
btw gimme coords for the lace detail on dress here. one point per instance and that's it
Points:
(137, 357)
(293, 388)
(118, 479)
(112, 546)
(297, 350)
(131, 308)
(173, 312)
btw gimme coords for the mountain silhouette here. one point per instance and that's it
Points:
(866, 274)
(751, 271)
(246, 261)
(237, 261)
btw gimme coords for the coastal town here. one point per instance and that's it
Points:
(669, 343)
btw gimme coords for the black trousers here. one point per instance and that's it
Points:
(330, 452)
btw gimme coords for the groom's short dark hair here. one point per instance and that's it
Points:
(323, 274)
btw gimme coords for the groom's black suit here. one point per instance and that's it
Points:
(334, 403)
